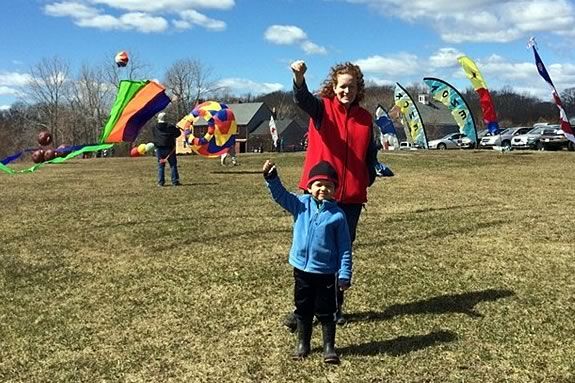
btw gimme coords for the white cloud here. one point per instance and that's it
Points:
(402, 64)
(543, 15)
(11, 83)
(291, 35)
(240, 86)
(498, 20)
(14, 79)
(444, 58)
(164, 5)
(4, 107)
(191, 17)
(312, 48)
(142, 15)
(144, 22)
(8, 91)
(284, 34)
(71, 9)
(101, 22)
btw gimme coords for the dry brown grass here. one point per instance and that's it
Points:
(464, 271)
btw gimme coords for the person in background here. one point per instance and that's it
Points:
(165, 142)
(230, 153)
(320, 253)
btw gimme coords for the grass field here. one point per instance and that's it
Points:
(464, 272)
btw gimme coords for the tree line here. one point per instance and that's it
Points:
(75, 106)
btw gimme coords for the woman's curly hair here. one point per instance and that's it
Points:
(331, 81)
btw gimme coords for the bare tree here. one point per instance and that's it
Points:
(48, 90)
(568, 100)
(16, 131)
(90, 99)
(189, 81)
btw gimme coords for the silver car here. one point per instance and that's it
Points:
(503, 138)
(529, 140)
(451, 141)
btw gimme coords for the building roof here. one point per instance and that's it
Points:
(264, 127)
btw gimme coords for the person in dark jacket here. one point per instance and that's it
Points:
(341, 132)
(165, 142)
(320, 253)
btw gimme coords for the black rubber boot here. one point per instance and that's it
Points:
(304, 330)
(290, 322)
(329, 354)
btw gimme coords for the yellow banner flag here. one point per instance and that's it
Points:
(472, 72)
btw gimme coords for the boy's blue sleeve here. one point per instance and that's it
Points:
(344, 248)
(308, 103)
(285, 199)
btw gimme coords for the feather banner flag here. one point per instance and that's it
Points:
(487, 108)
(565, 126)
(136, 103)
(411, 115)
(387, 133)
(274, 131)
(450, 97)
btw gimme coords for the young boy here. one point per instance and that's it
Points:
(340, 131)
(320, 253)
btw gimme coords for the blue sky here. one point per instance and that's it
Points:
(249, 44)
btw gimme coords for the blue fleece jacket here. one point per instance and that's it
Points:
(321, 242)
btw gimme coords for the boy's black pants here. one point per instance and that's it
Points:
(315, 294)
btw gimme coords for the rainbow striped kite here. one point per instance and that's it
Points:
(472, 72)
(136, 102)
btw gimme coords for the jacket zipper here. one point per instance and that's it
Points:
(310, 230)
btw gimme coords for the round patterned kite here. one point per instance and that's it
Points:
(221, 132)
(122, 59)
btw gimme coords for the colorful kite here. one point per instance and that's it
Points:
(450, 97)
(72, 151)
(221, 133)
(122, 59)
(411, 115)
(472, 72)
(565, 125)
(136, 102)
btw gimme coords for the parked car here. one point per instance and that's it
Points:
(451, 141)
(554, 139)
(529, 140)
(503, 138)
(406, 145)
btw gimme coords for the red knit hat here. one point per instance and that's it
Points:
(322, 171)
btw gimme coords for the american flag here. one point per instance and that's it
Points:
(565, 126)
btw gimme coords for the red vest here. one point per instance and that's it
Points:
(343, 140)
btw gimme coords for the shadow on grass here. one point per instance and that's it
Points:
(184, 184)
(446, 208)
(445, 304)
(400, 345)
